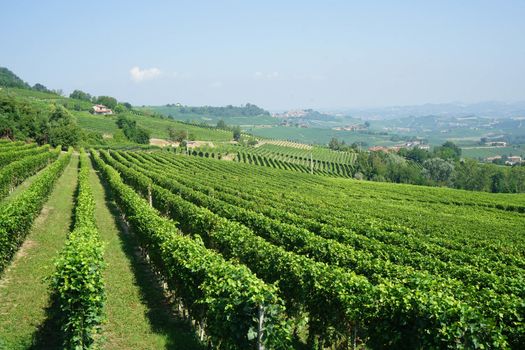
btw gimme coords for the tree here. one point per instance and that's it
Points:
(471, 175)
(403, 172)
(124, 122)
(132, 131)
(497, 182)
(415, 154)
(64, 135)
(516, 179)
(221, 124)
(41, 88)
(140, 135)
(363, 165)
(439, 170)
(107, 101)
(62, 128)
(7, 127)
(10, 79)
(237, 133)
(120, 108)
(80, 95)
(177, 135)
(333, 144)
(448, 150)
(60, 116)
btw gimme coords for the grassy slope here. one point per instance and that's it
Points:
(106, 124)
(158, 127)
(23, 292)
(320, 136)
(483, 152)
(138, 317)
(211, 119)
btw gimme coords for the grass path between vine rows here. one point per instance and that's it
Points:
(138, 316)
(24, 294)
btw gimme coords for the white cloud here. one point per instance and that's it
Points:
(139, 75)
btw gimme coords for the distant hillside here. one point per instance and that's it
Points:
(248, 114)
(26, 114)
(10, 79)
(481, 109)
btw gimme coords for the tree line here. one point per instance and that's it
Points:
(21, 121)
(442, 166)
(248, 109)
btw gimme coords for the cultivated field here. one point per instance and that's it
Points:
(160, 248)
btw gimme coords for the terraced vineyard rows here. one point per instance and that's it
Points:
(317, 160)
(18, 170)
(257, 257)
(226, 299)
(287, 156)
(321, 154)
(287, 144)
(17, 215)
(413, 273)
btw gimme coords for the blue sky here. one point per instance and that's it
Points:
(277, 54)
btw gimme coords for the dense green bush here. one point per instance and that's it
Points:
(133, 132)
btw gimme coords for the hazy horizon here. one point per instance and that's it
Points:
(330, 55)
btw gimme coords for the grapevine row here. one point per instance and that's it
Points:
(14, 173)
(363, 262)
(325, 291)
(17, 216)
(235, 208)
(77, 284)
(225, 299)
(16, 153)
(321, 221)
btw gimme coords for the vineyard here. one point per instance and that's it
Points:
(253, 257)
(286, 156)
(358, 265)
(287, 144)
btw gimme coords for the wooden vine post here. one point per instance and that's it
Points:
(260, 345)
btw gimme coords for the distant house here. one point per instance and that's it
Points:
(491, 159)
(513, 160)
(497, 144)
(101, 109)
